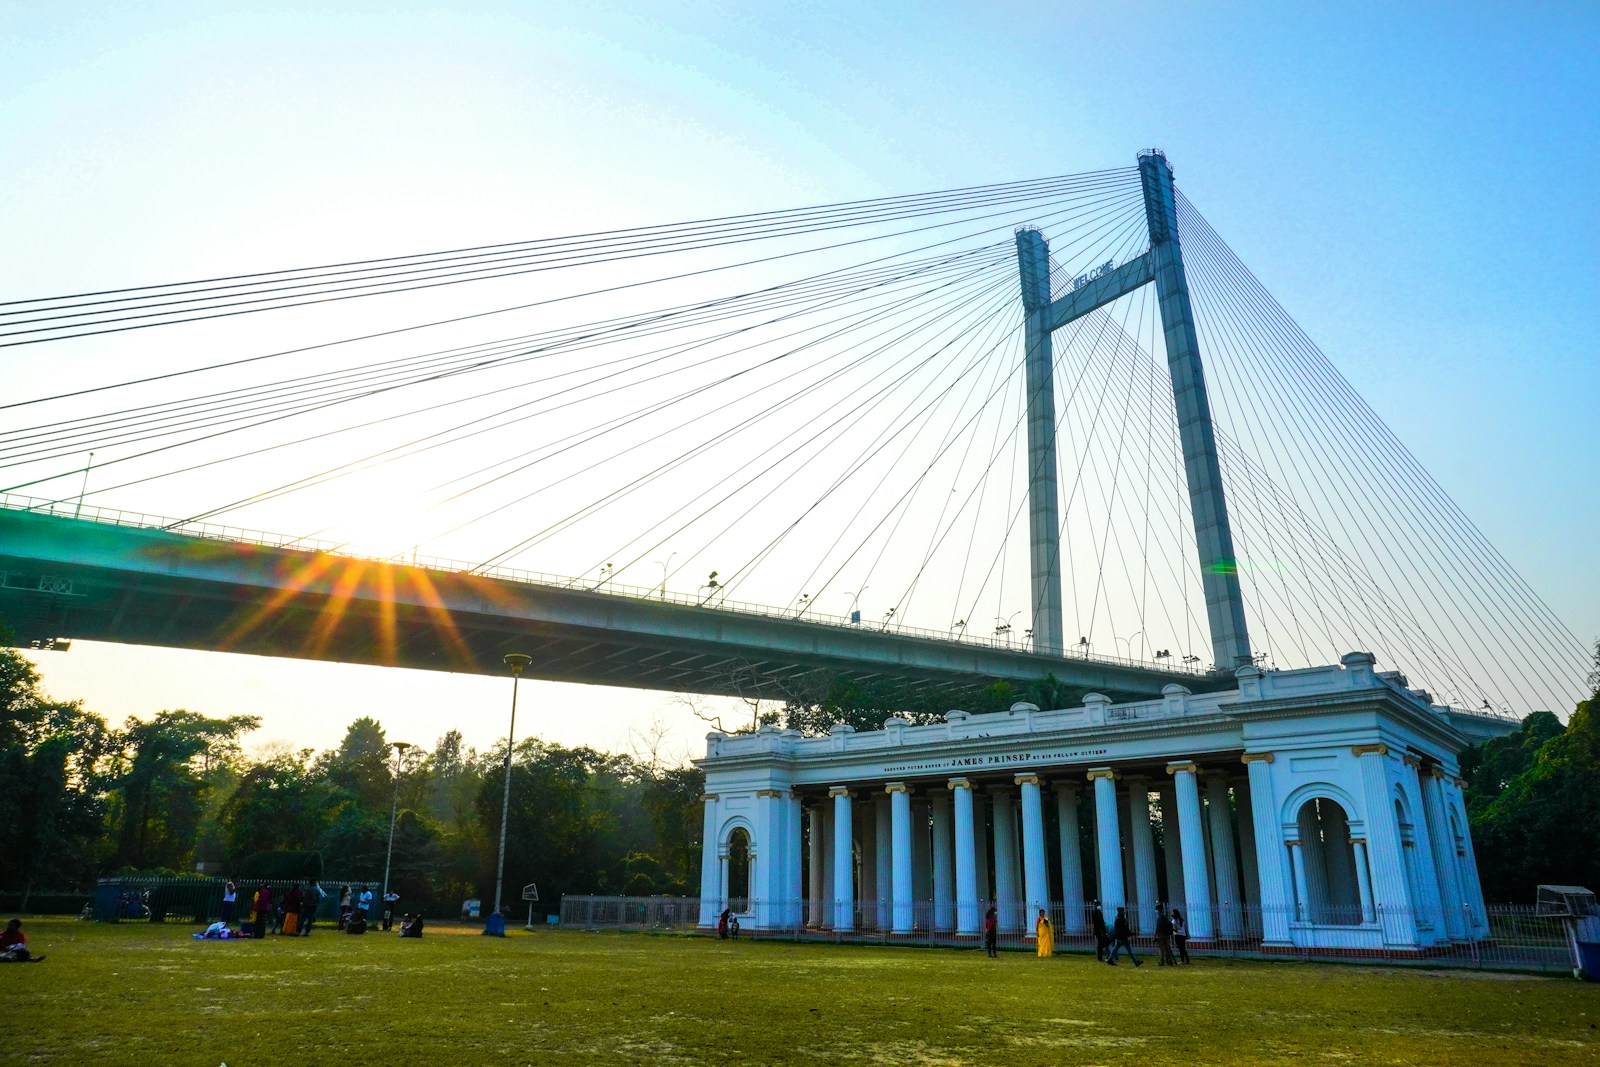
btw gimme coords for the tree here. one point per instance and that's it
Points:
(1492, 765)
(583, 821)
(52, 795)
(361, 764)
(158, 795)
(1544, 825)
(866, 705)
(278, 805)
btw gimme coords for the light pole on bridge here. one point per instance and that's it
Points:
(855, 604)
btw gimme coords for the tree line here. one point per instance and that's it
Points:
(81, 799)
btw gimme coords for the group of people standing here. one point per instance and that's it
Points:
(292, 916)
(1172, 933)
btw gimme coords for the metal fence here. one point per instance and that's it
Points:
(1510, 937)
(199, 900)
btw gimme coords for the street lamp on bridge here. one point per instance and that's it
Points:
(516, 661)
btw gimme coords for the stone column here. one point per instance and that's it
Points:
(944, 872)
(1386, 861)
(766, 881)
(1143, 843)
(1444, 854)
(793, 891)
(1196, 881)
(826, 845)
(885, 861)
(968, 920)
(1227, 868)
(1302, 894)
(1428, 888)
(921, 863)
(1007, 890)
(1035, 872)
(844, 866)
(900, 819)
(1250, 884)
(710, 864)
(980, 855)
(1471, 887)
(1073, 920)
(1172, 848)
(867, 871)
(1272, 871)
(1363, 877)
(1108, 841)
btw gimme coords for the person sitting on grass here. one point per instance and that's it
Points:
(14, 945)
(357, 923)
(411, 925)
(218, 931)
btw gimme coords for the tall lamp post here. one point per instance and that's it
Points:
(394, 807)
(516, 661)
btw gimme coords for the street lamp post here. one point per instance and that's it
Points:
(516, 661)
(394, 807)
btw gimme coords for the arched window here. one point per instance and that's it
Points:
(1332, 896)
(739, 870)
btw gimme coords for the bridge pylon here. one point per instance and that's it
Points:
(1163, 265)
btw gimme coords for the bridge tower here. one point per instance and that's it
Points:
(1163, 265)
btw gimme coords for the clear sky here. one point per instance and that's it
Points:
(1414, 183)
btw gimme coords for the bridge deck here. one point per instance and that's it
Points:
(128, 580)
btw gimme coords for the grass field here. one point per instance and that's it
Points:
(142, 994)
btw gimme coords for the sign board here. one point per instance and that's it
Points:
(471, 909)
(530, 891)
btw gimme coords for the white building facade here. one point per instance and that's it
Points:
(1308, 808)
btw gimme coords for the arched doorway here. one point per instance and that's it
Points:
(1332, 895)
(739, 870)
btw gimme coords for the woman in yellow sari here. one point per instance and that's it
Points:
(1046, 935)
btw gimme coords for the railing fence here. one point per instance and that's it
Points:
(1516, 937)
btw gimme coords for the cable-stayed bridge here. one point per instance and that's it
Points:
(1130, 470)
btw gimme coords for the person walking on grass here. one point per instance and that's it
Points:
(1180, 936)
(308, 911)
(991, 933)
(1045, 935)
(1122, 938)
(1164, 937)
(1102, 938)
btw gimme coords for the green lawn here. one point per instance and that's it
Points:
(142, 994)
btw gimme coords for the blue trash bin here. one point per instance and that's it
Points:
(1589, 960)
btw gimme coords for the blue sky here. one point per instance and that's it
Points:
(1414, 183)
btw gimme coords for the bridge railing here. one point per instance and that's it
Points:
(712, 600)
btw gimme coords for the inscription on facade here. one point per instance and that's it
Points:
(1002, 759)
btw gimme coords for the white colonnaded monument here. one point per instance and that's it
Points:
(1310, 808)
(1315, 808)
